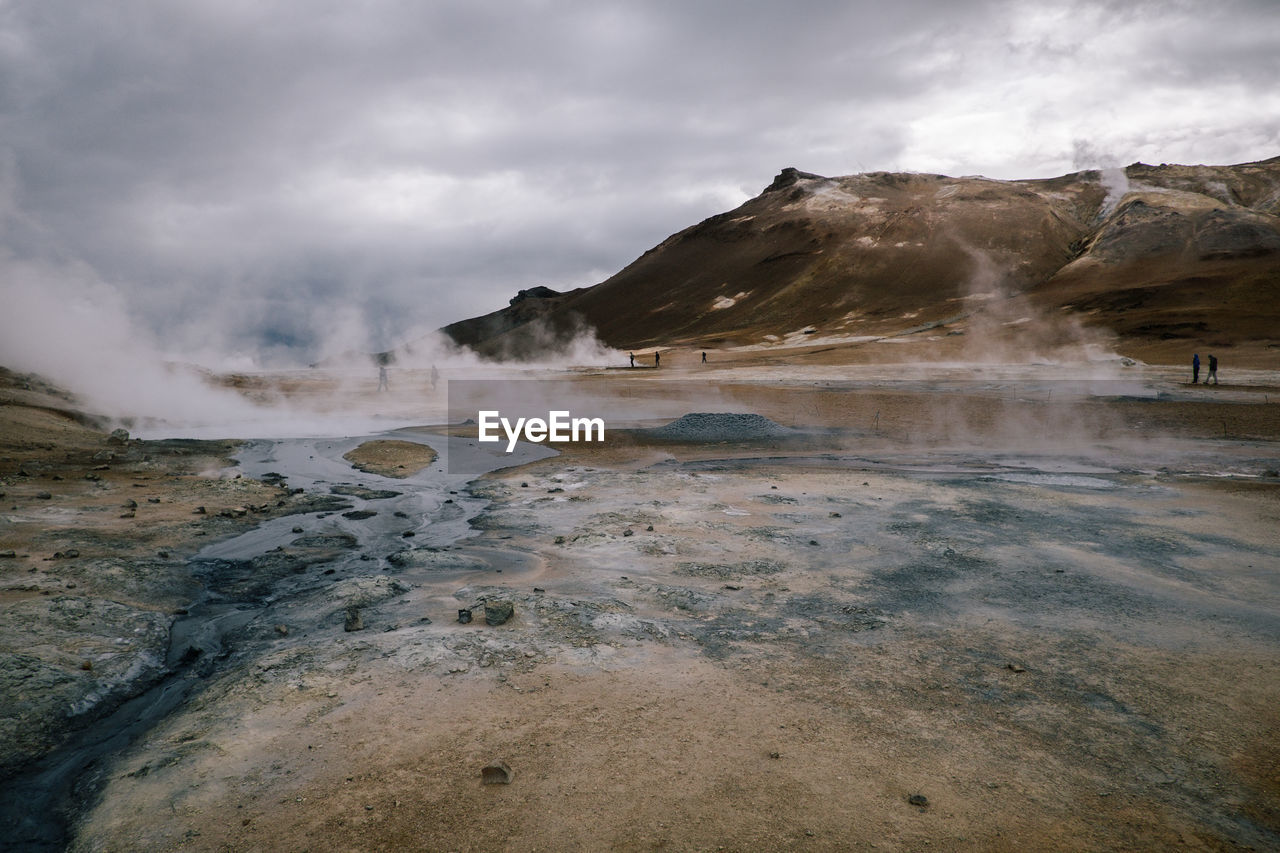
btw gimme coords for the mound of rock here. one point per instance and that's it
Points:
(367, 590)
(720, 426)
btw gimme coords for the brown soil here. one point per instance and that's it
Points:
(391, 458)
(811, 634)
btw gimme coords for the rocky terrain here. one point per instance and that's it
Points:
(1156, 259)
(1009, 614)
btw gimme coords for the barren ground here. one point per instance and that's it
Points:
(1053, 617)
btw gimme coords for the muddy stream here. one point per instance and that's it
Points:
(428, 512)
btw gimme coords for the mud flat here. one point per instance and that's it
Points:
(885, 641)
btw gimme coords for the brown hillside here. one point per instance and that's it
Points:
(1159, 256)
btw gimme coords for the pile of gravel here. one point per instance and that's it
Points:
(720, 426)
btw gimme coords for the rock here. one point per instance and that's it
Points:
(496, 773)
(628, 532)
(103, 456)
(649, 529)
(1015, 667)
(498, 612)
(8, 555)
(918, 800)
(199, 511)
(297, 530)
(130, 504)
(282, 630)
(834, 515)
(43, 496)
(359, 514)
(118, 436)
(353, 621)
(464, 615)
(362, 492)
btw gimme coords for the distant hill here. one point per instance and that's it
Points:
(1162, 257)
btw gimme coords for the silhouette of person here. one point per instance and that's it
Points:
(1195, 368)
(435, 377)
(704, 358)
(633, 359)
(657, 359)
(382, 378)
(1213, 370)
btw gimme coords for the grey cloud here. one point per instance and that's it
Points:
(241, 171)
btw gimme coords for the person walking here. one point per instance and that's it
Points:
(435, 377)
(1195, 369)
(1213, 370)
(382, 378)
(633, 359)
(657, 359)
(704, 357)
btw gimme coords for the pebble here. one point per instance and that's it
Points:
(918, 800)
(496, 773)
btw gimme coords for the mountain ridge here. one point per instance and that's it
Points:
(1158, 256)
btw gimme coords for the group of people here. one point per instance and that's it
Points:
(383, 385)
(657, 359)
(1195, 369)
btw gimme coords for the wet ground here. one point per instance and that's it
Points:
(911, 622)
(1059, 650)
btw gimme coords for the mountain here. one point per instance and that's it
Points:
(1157, 258)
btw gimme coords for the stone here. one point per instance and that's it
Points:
(353, 621)
(359, 514)
(130, 504)
(498, 612)
(464, 615)
(118, 436)
(496, 773)
(43, 496)
(282, 630)
(628, 532)
(918, 800)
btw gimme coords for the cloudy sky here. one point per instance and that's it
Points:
(267, 177)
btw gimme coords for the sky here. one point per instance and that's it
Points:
(255, 182)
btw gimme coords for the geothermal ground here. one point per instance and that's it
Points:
(964, 608)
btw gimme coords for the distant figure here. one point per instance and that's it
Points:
(633, 359)
(1195, 369)
(382, 378)
(704, 358)
(1213, 370)
(435, 377)
(657, 359)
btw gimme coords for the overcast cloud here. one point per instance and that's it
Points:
(259, 178)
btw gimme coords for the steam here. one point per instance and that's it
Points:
(1111, 173)
(68, 325)
(1008, 327)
